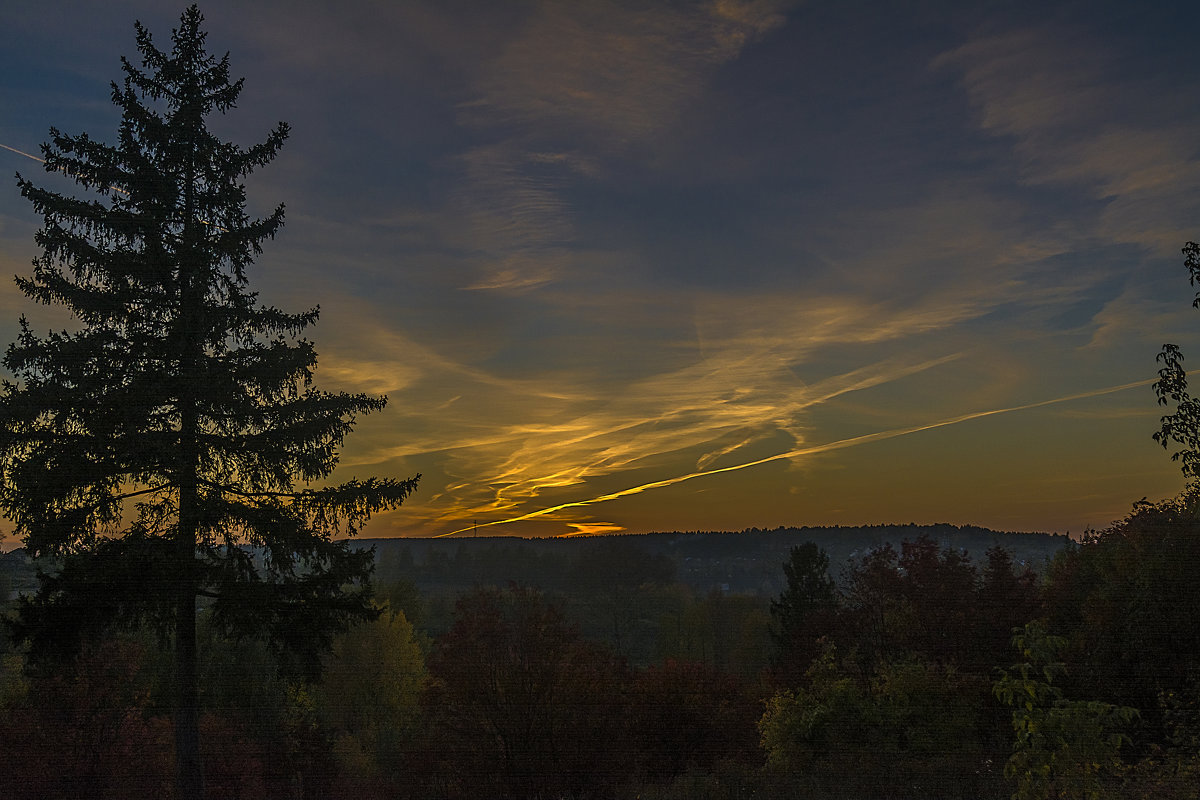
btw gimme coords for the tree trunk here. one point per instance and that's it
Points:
(189, 774)
(189, 771)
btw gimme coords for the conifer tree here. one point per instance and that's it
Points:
(802, 610)
(172, 448)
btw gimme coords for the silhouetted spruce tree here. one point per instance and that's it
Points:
(164, 451)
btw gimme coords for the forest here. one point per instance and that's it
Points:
(911, 669)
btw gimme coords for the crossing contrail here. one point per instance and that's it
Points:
(23, 153)
(840, 444)
(63, 170)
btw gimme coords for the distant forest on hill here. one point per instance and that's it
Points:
(741, 562)
(738, 562)
(630, 591)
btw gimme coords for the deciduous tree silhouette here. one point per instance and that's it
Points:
(145, 449)
(1183, 426)
(518, 695)
(1063, 748)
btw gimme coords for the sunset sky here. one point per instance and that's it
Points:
(635, 266)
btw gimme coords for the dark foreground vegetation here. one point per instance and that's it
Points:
(890, 675)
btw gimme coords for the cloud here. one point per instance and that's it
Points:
(1027, 82)
(592, 529)
(613, 70)
(517, 221)
(1123, 319)
(502, 443)
(576, 84)
(801, 452)
(749, 379)
(1077, 118)
(412, 41)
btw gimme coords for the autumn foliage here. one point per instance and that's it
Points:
(913, 689)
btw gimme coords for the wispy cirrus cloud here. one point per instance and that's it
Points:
(610, 71)
(802, 451)
(517, 222)
(580, 82)
(1076, 118)
(503, 444)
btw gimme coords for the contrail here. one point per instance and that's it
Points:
(841, 444)
(63, 170)
(22, 153)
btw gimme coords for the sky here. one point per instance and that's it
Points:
(711, 265)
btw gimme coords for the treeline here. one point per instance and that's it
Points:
(743, 562)
(613, 679)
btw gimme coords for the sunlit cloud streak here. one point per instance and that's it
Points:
(743, 390)
(853, 441)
